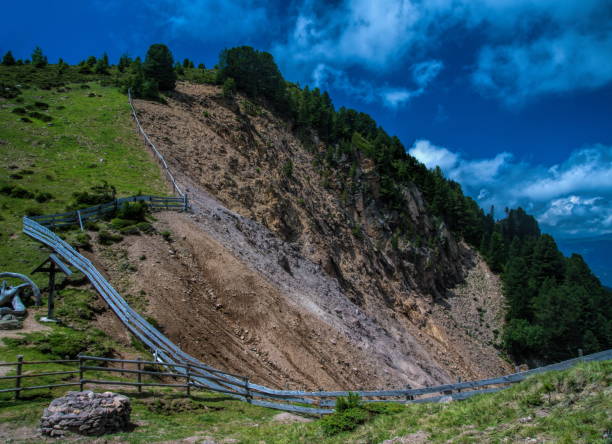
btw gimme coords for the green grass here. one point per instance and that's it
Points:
(573, 406)
(90, 140)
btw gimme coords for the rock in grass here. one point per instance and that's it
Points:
(86, 413)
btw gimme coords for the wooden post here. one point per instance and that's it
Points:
(80, 220)
(459, 382)
(249, 395)
(580, 353)
(18, 379)
(81, 372)
(409, 397)
(186, 199)
(51, 301)
(139, 375)
(188, 381)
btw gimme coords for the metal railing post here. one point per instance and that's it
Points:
(81, 383)
(188, 381)
(18, 379)
(139, 375)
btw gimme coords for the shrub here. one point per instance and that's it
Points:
(42, 197)
(344, 421)
(133, 211)
(145, 227)
(229, 87)
(83, 240)
(41, 105)
(98, 194)
(350, 402)
(33, 211)
(19, 193)
(91, 225)
(167, 236)
(25, 120)
(40, 116)
(118, 223)
(19, 110)
(108, 238)
(130, 230)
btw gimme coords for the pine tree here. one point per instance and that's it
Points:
(39, 60)
(124, 63)
(8, 59)
(159, 66)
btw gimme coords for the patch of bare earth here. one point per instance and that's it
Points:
(267, 276)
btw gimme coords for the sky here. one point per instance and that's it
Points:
(511, 98)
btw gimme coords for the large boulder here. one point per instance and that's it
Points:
(86, 413)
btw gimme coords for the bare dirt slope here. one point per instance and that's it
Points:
(275, 275)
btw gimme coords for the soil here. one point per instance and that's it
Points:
(267, 277)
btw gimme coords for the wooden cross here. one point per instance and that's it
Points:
(54, 265)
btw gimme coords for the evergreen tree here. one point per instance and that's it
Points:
(201, 66)
(124, 62)
(8, 59)
(102, 66)
(159, 66)
(39, 60)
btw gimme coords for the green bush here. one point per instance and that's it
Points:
(19, 110)
(41, 105)
(349, 402)
(16, 192)
(108, 238)
(33, 211)
(43, 196)
(133, 211)
(344, 421)
(83, 240)
(97, 194)
(145, 227)
(118, 223)
(40, 116)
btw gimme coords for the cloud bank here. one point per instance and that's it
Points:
(573, 198)
(533, 48)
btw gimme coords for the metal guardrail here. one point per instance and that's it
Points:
(203, 376)
(176, 361)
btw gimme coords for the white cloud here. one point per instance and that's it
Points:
(324, 76)
(424, 72)
(571, 198)
(518, 72)
(535, 47)
(432, 156)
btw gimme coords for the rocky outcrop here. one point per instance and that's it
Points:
(86, 413)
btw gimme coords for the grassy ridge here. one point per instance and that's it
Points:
(90, 139)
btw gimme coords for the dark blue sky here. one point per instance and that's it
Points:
(513, 99)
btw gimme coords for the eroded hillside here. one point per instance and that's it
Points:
(279, 274)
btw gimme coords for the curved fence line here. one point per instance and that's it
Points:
(204, 376)
(151, 145)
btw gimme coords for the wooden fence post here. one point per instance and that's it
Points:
(81, 383)
(18, 379)
(139, 374)
(249, 397)
(188, 381)
(459, 382)
(409, 397)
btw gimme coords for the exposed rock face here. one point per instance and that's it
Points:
(354, 298)
(86, 413)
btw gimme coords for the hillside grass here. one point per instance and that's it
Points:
(573, 406)
(89, 139)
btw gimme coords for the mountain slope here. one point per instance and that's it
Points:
(261, 194)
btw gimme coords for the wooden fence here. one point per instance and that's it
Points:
(79, 217)
(85, 364)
